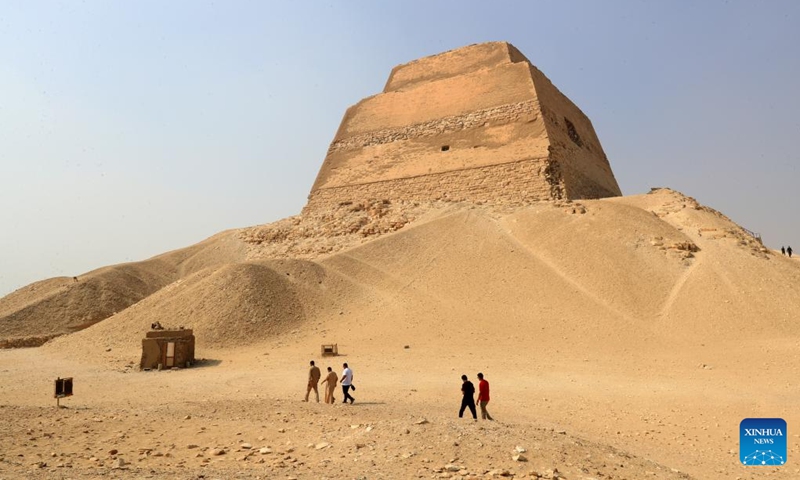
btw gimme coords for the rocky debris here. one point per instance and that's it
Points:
(686, 246)
(322, 445)
(264, 450)
(499, 473)
(322, 232)
(519, 458)
(421, 421)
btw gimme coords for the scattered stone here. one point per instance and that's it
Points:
(246, 446)
(322, 445)
(217, 451)
(265, 450)
(519, 458)
(499, 473)
(192, 445)
(519, 449)
(452, 468)
(119, 463)
(421, 421)
(113, 451)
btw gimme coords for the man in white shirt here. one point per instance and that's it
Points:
(347, 382)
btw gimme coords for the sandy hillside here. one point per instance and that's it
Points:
(623, 338)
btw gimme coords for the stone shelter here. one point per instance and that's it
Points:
(167, 349)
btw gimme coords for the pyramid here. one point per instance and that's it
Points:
(479, 123)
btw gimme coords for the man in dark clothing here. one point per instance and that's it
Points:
(783, 251)
(468, 398)
(789, 251)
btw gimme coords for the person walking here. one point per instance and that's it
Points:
(347, 382)
(483, 397)
(467, 398)
(783, 251)
(789, 251)
(313, 380)
(331, 380)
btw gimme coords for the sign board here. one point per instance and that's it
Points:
(63, 387)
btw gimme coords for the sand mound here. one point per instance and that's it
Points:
(230, 306)
(76, 305)
(577, 271)
(61, 305)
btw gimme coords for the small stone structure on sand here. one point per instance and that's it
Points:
(478, 123)
(167, 349)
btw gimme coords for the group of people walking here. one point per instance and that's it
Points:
(787, 250)
(467, 390)
(468, 397)
(330, 380)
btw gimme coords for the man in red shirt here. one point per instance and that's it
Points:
(483, 397)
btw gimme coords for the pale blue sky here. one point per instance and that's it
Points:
(131, 128)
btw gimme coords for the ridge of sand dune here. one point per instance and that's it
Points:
(61, 305)
(600, 269)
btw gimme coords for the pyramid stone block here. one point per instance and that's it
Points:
(478, 123)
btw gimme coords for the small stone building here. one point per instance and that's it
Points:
(167, 348)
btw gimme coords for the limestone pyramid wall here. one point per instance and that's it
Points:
(478, 123)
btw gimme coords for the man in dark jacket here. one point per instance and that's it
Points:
(468, 398)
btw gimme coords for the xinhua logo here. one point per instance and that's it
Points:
(762, 441)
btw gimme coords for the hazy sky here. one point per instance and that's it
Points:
(131, 128)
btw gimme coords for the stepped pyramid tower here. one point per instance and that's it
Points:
(478, 123)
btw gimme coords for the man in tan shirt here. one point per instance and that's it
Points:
(313, 380)
(330, 386)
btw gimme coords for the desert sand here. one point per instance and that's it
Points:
(624, 338)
